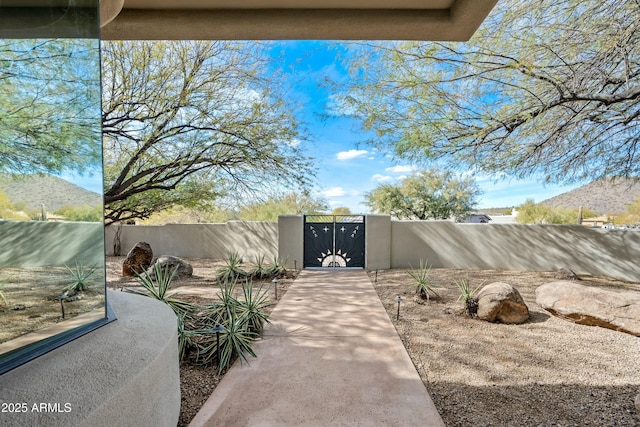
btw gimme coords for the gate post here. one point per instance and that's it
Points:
(291, 239)
(378, 242)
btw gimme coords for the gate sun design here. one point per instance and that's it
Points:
(334, 241)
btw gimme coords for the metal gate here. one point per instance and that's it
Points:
(334, 241)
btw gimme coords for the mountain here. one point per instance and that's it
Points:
(604, 196)
(54, 192)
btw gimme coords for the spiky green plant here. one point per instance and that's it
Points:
(80, 277)
(186, 336)
(225, 301)
(232, 270)
(253, 306)
(278, 267)
(468, 297)
(422, 281)
(157, 286)
(260, 269)
(236, 340)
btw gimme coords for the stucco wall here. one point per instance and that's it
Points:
(290, 240)
(516, 246)
(377, 242)
(124, 374)
(35, 243)
(398, 244)
(201, 240)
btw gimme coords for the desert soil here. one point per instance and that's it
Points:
(30, 300)
(546, 372)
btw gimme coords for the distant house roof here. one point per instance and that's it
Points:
(478, 218)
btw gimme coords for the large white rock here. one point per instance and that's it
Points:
(588, 305)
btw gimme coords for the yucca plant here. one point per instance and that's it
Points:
(232, 269)
(157, 286)
(253, 307)
(185, 337)
(278, 267)
(422, 282)
(217, 311)
(236, 339)
(260, 269)
(80, 277)
(468, 297)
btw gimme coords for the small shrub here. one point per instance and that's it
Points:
(79, 278)
(422, 282)
(468, 297)
(232, 270)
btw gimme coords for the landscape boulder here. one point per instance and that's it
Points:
(587, 305)
(565, 274)
(138, 259)
(169, 263)
(501, 302)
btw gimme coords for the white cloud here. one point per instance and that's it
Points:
(381, 178)
(334, 192)
(401, 169)
(293, 142)
(351, 154)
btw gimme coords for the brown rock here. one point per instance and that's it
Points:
(501, 302)
(637, 402)
(593, 306)
(138, 259)
(565, 274)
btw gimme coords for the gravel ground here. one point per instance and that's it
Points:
(196, 382)
(547, 372)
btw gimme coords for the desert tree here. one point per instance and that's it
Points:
(186, 122)
(547, 89)
(49, 106)
(432, 194)
(290, 203)
(538, 213)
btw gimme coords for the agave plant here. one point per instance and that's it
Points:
(468, 297)
(259, 270)
(236, 339)
(232, 269)
(217, 311)
(80, 277)
(278, 267)
(253, 306)
(422, 282)
(157, 286)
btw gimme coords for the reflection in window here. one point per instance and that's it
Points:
(52, 274)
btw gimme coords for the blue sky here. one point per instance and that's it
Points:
(346, 169)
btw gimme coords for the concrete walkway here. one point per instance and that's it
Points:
(330, 357)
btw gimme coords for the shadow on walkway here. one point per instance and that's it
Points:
(330, 357)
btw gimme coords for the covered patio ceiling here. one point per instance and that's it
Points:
(436, 20)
